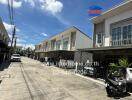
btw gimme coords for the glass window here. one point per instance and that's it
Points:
(114, 34)
(58, 43)
(125, 32)
(73, 38)
(65, 43)
(99, 38)
(129, 31)
(53, 44)
(122, 35)
(118, 33)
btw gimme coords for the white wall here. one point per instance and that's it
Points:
(61, 37)
(113, 19)
(82, 41)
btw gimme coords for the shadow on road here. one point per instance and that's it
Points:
(120, 96)
(4, 65)
(129, 87)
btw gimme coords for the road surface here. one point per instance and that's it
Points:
(31, 80)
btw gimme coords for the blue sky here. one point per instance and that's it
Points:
(37, 20)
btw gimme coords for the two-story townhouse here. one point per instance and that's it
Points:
(64, 44)
(4, 40)
(112, 36)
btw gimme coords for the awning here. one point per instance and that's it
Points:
(106, 48)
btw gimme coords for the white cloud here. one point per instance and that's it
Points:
(44, 34)
(30, 2)
(62, 20)
(17, 30)
(54, 7)
(16, 3)
(51, 6)
(26, 45)
(21, 40)
(9, 27)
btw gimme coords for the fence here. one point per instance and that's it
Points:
(93, 69)
(66, 63)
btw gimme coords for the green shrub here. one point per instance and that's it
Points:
(119, 69)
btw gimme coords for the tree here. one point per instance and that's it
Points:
(120, 67)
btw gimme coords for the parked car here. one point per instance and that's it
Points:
(16, 57)
(129, 75)
(115, 86)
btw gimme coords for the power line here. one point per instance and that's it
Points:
(12, 12)
(11, 18)
(9, 10)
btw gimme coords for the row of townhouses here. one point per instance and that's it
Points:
(63, 45)
(4, 40)
(112, 38)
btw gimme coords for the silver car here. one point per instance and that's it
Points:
(129, 75)
(16, 57)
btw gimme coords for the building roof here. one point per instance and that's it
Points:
(106, 48)
(124, 6)
(65, 31)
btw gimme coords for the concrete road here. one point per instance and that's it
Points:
(31, 80)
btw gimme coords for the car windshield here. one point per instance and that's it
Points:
(16, 55)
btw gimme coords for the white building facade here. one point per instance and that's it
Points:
(68, 40)
(114, 27)
(112, 35)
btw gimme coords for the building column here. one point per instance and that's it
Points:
(4, 56)
(61, 44)
(69, 42)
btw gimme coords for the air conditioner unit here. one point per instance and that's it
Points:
(99, 44)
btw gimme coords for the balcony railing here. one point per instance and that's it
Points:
(124, 42)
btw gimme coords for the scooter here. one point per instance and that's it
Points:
(115, 86)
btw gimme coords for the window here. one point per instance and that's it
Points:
(114, 34)
(118, 33)
(73, 38)
(125, 32)
(52, 44)
(99, 38)
(65, 43)
(129, 31)
(122, 35)
(58, 43)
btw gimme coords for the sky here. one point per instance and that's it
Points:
(36, 20)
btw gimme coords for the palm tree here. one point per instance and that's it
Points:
(120, 67)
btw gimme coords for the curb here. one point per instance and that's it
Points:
(91, 79)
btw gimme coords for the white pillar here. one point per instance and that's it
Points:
(76, 64)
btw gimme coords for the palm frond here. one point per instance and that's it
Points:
(123, 62)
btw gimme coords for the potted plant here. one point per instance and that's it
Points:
(120, 67)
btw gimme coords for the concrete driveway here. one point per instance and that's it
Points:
(31, 80)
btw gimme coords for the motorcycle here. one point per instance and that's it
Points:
(115, 86)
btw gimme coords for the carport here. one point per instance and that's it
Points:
(61, 54)
(106, 55)
(56, 55)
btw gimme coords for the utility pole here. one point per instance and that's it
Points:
(13, 35)
(15, 42)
